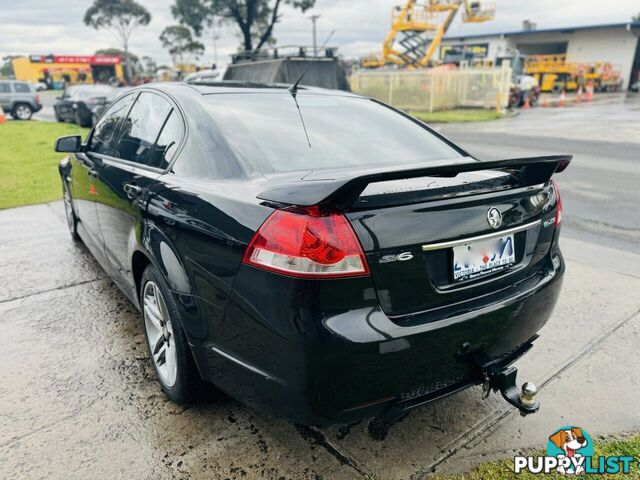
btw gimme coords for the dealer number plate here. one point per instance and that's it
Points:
(477, 259)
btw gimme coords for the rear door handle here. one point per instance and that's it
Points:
(132, 190)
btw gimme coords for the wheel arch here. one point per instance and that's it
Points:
(139, 261)
(158, 249)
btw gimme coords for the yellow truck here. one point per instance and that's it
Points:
(555, 74)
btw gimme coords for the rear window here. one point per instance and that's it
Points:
(266, 130)
(89, 92)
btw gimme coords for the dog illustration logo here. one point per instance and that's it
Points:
(570, 451)
(572, 443)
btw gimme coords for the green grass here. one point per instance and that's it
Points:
(503, 470)
(459, 115)
(28, 164)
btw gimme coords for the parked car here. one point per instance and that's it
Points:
(78, 102)
(102, 106)
(19, 99)
(314, 253)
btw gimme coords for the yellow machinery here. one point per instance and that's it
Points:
(417, 30)
(555, 74)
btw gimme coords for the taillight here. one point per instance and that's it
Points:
(307, 242)
(559, 207)
(37, 99)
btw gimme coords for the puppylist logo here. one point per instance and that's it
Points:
(570, 452)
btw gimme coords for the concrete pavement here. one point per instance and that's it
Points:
(79, 398)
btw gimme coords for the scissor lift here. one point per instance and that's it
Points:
(417, 30)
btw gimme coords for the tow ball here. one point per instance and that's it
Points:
(505, 380)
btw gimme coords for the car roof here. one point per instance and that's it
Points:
(230, 86)
(90, 86)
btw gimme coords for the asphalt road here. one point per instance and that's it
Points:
(601, 188)
(47, 98)
(78, 398)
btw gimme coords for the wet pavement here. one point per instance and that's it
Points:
(600, 189)
(78, 398)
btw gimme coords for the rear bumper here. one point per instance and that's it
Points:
(290, 356)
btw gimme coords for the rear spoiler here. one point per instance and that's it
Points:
(342, 192)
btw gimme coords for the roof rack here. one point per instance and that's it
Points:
(285, 51)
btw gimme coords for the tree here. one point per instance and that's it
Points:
(254, 18)
(135, 67)
(120, 16)
(178, 40)
(149, 66)
(116, 52)
(6, 67)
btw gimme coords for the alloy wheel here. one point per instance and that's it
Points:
(160, 334)
(23, 112)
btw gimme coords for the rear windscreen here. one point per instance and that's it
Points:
(268, 132)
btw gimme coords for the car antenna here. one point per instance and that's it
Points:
(293, 90)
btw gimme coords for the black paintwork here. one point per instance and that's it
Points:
(319, 351)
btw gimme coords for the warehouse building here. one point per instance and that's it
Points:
(616, 43)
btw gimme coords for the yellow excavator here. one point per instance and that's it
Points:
(417, 30)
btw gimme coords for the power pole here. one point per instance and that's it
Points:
(215, 47)
(314, 19)
(215, 37)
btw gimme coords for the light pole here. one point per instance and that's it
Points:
(314, 19)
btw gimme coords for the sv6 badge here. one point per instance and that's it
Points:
(401, 257)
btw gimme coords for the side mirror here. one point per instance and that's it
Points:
(69, 144)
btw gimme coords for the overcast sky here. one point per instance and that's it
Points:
(55, 26)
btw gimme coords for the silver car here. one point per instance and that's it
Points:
(19, 99)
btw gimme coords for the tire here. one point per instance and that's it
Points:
(57, 115)
(72, 219)
(167, 344)
(22, 111)
(83, 122)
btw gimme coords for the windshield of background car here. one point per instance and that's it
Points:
(343, 132)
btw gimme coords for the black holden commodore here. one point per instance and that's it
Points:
(313, 253)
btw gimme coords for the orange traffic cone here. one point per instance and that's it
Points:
(3, 117)
(563, 99)
(589, 92)
(527, 103)
(579, 94)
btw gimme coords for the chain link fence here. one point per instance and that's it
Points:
(437, 89)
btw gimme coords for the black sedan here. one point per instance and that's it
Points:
(78, 103)
(314, 253)
(109, 98)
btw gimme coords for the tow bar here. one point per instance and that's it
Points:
(504, 379)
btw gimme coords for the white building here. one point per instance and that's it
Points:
(616, 43)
